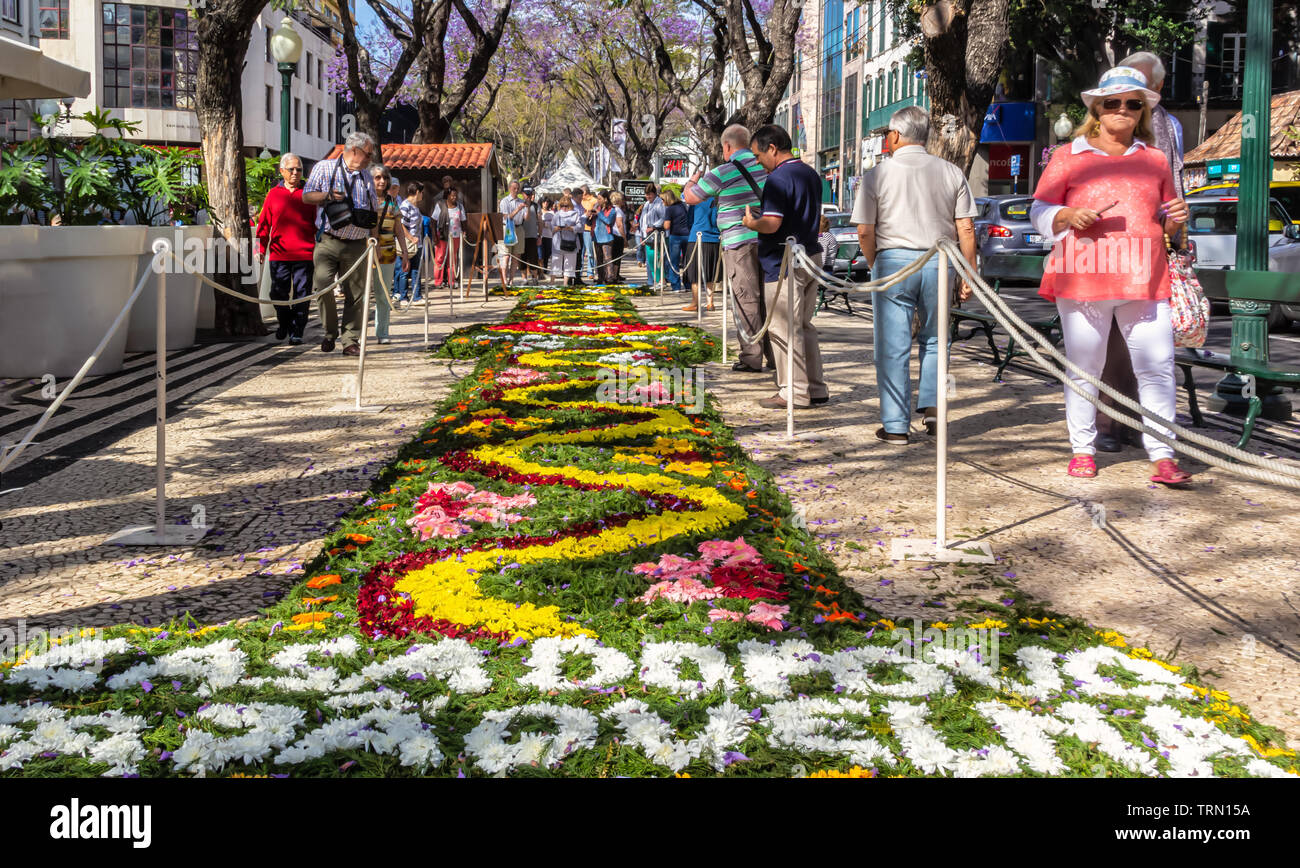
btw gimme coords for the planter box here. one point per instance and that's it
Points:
(182, 295)
(60, 288)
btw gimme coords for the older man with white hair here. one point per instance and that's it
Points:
(286, 233)
(903, 207)
(1118, 373)
(347, 215)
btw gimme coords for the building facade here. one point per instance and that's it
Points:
(143, 63)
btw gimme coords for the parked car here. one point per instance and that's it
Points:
(1286, 192)
(1002, 227)
(849, 262)
(839, 220)
(1212, 227)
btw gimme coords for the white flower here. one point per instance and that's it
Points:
(660, 662)
(548, 653)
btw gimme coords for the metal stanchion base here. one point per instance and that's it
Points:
(147, 535)
(958, 552)
(353, 408)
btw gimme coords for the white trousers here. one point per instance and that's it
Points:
(1150, 338)
(563, 263)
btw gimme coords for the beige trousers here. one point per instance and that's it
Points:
(801, 335)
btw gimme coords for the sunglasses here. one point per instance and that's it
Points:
(1113, 104)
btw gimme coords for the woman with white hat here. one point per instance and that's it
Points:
(1107, 202)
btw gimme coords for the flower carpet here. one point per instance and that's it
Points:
(573, 570)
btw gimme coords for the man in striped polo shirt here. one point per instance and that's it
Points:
(738, 183)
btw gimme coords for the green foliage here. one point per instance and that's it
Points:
(100, 178)
(262, 174)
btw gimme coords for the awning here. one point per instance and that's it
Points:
(26, 73)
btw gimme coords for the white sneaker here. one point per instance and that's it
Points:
(405, 304)
(385, 340)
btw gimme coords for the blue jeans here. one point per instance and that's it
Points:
(405, 282)
(676, 244)
(588, 255)
(892, 311)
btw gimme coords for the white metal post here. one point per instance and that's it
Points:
(789, 339)
(426, 271)
(726, 285)
(699, 275)
(941, 411)
(372, 263)
(160, 533)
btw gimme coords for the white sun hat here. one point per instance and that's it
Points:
(1121, 79)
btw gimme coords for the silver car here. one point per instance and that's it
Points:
(1212, 227)
(1002, 227)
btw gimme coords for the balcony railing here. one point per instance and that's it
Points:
(878, 118)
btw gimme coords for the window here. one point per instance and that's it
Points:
(320, 73)
(54, 19)
(9, 10)
(297, 112)
(151, 57)
(866, 105)
(330, 118)
(867, 31)
(851, 42)
(270, 102)
(309, 119)
(15, 122)
(320, 123)
(269, 58)
(850, 128)
(308, 72)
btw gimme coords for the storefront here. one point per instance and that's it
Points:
(828, 164)
(1007, 144)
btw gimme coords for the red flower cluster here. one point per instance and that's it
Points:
(751, 579)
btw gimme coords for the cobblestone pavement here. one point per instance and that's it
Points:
(1209, 575)
(268, 460)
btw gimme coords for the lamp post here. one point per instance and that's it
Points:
(1063, 126)
(286, 48)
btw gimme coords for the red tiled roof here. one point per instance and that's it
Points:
(1226, 143)
(458, 155)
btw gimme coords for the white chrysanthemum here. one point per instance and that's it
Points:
(1082, 665)
(1192, 742)
(122, 751)
(1027, 734)
(1264, 769)
(806, 725)
(420, 751)
(660, 662)
(575, 729)
(547, 656)
(1040, 667)
(1088, 725)
(17, 754)
(923, 746)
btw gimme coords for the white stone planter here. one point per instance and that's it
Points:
(60, 288)
(182, 295)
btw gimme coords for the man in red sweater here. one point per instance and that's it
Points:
(288, 228)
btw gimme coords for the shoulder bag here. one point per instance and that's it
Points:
(1189, 309)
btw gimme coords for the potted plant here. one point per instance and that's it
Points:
(64, 275)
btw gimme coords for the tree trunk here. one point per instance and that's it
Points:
(963, 62)
(223, 34)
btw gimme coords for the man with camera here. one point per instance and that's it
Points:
(345, 218)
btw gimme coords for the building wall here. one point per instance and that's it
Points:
(85, 49)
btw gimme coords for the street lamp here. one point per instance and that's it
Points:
(286, 48)
(1063, 126)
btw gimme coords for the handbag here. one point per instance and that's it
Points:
(568, 245)
(343, 214)
(1189, 309)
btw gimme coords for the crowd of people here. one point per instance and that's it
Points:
(1115, 181)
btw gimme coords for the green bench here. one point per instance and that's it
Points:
(1267, 287)
(1029, 268)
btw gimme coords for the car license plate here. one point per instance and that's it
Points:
(1033, 238)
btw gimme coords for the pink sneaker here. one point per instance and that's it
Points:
(1082, 466)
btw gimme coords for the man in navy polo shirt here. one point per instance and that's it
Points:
(792, 205)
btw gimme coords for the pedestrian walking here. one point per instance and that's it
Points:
(829, 245)
(1118, 373)
(738, 184)
(394, 248)
(547, 221)
(620, 233)
(286, 233)
(903, 206)
(791, 208)
(449, 220)
(1113, 264)
(440, 241)
(532, 269)
(639, 236)
(702, 252)
(568, 236)
(406, 282)
(347, 209)
(652, 229)
(512, 208)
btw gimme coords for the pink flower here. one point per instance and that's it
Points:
(459, 488)
(725, 615)
(767, 614)
(502, 501)
(646, 569)
(730, 553)
(683, 591)
(676, 566)
(480, 513)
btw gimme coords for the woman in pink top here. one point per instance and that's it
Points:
(1107, 201)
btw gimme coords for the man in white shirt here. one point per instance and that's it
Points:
(903, 207)
(513, 208)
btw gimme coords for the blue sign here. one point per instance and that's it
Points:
(1015, 165)
(1009, 122)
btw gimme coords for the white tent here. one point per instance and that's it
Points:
(570, 174)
